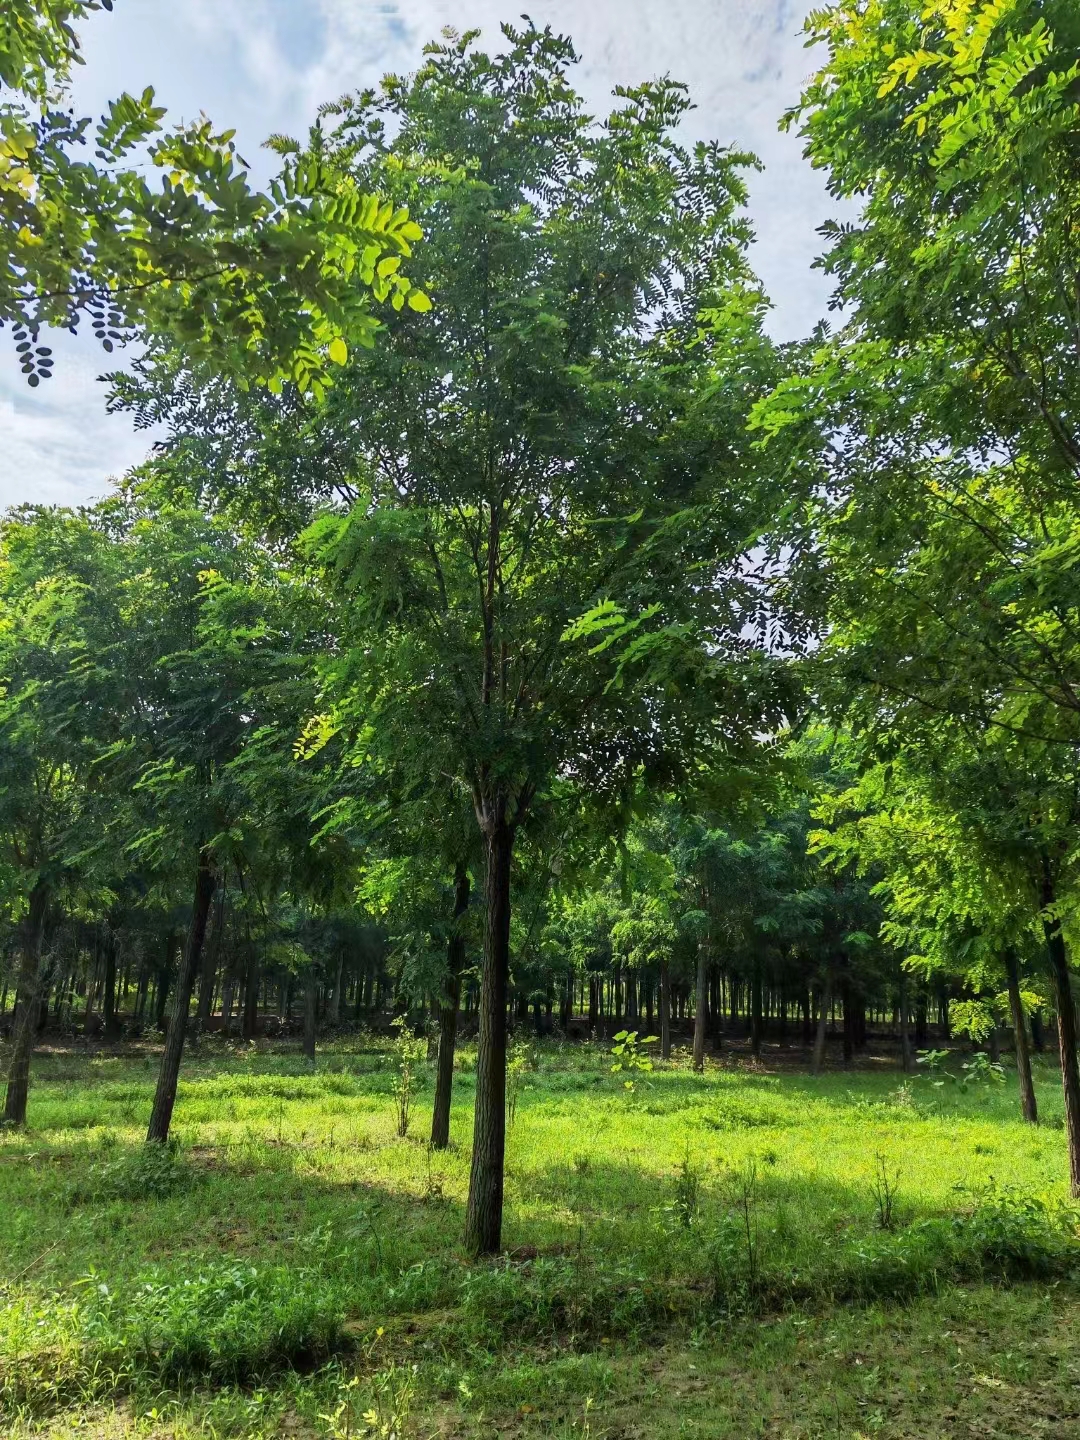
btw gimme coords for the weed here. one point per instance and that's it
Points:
(884, 1190)
(519, 1059)
(146, 1172)
(409, 1053)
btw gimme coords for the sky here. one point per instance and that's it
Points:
(263, 66)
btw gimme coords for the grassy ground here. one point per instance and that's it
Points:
(704, 1256)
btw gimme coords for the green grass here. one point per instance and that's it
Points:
(703, 1255)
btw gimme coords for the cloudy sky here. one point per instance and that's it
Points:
(262, 66)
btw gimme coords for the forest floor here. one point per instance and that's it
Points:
(753, 1251)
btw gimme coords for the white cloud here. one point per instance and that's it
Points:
(264, 65)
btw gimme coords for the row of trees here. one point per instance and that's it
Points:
(576, 629)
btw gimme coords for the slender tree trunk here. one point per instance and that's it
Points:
(108, 998)
(1038, 1038)
(665, 1010)
(27, 999)
(311, 1001)
(334, 1014)
(1070, 1073)
(164, 977)
(701, 1014)
(483, 1214)
(756, 1024)
(818, 1061)
(169, 1074)
(1028, 1104)
(249, 1019)
(907, 1057)
(448, 1014)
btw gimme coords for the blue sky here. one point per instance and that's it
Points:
(262, 66)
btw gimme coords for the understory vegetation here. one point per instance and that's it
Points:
(290, 1254)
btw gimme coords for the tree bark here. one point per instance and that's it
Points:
(483, 1214)
(27, 1000)
(1070, 1073)
(169, 1074)
(448, 1014)
(818, 1061)
(701, 1014)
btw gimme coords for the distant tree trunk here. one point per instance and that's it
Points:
(1070, 1074)
(849, 1022)
(27, 1000)
(334, 1014)
(665, 1010)
(1038, 1037)
(818, 1061)
(250, 1017)
(169, 1074)
(311, 1003)
(566, 1003)
(483, 1213)
(448, 1013)
(807, 1016)
(756, 1024)
(906, 1055)
(701, 1013)
(108, 1005)
(594, 1000)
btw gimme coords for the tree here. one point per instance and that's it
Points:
(935, 436)
(265, 285)
(537, 468)
(58, 630)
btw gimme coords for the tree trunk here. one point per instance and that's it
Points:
(665, 1010)
(108, 998)
(907, 1057)
(818, 1061)
(334, 1014)
(1070, 1074)
(164, 976)
(311, 1000)
(249, 1019)
(448, 1014)
(1028, 1105)
(701, 1007)
(483, 1214)
(28, 996)
(169, 1074)
(756, 1024)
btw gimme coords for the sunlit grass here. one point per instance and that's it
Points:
(294, 1225)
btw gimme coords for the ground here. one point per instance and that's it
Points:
(753, 1251)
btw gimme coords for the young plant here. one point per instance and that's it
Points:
(628, 1054)
(519, 1060)
(981, 1070)
(409, 1053)
(885, 1191)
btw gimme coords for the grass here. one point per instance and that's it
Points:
(701, 1255)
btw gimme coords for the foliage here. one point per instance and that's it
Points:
(268, 285)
